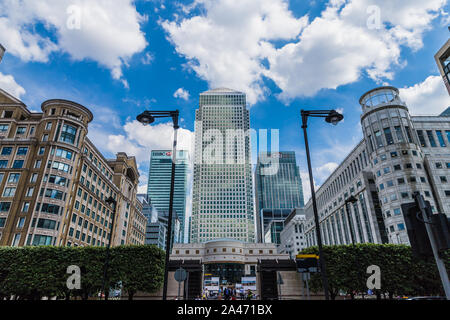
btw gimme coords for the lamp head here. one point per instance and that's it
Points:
(145, 118)
(110, 200)
(334, 117)
(351, 199)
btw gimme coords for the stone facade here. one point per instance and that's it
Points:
(54, 181)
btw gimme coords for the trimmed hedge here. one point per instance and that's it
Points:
(401, 272)
(35, 272)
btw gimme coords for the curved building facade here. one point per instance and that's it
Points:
(400, 154)
(54, 182)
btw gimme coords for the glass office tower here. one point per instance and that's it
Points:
(278, 192)
(159, 183)
(222, 203)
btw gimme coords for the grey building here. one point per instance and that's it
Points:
(278, 188)
(159, 180)
(222, 203)
(399, 154)
(157, 224)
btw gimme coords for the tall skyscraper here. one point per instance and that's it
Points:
(222, 203)
(279, 190)
(159, 183)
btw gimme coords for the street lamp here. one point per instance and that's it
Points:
(111, 202)
(351, 200)
(333, 117)
(146, 118)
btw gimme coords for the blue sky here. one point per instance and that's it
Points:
(119, 58)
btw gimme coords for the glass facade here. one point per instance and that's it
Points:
(159, 183)
(276, 189)
(222, 203)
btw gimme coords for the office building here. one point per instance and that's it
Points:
(222, 204)
(278, 188)
(399, 154)
(159, 180)
(292, 237)
(442, 58)
(157, 224)
(54, 182)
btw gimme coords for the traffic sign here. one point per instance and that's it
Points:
(180, 275)
(307, 263)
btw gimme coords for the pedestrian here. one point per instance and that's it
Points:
(249, 294)
(241, 293)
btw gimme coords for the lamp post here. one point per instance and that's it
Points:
(352, 200)
(333, 117)
(146, 118)
(112, 202)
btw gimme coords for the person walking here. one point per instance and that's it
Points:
(249, 294)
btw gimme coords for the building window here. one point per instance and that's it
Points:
(9, 192)
(4, 207)
(431, 139)
(68, 134)
(399, 134)
(22, 151)
(13, 177)
(388, 136)
(440, 138)
(17, 164)
(378, 139)
(6, 151)
(21, 130)
(421, 138)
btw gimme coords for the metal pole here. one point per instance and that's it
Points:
(172, 189)
(105, 272)
(323, 270)
(187, 286)
(439, 263)
(307, 286)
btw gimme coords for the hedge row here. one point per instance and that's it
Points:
(401, 272)
(36, 272)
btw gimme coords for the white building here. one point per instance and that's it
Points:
(399, 154)
(222, 203)
(292, 237)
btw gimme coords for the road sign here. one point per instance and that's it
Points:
(305, 256)
(307, 263)
(180, 275)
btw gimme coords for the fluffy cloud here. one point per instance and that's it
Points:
(181, 94)
(429, 97)
(236, 43)
(226, 45)
(107, 32)
(9, 84)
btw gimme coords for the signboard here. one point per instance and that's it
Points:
(212, 284)
(180, 275)
(248, 283)
(307, 263)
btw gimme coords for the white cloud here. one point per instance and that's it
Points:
(231, 41)
(324, 171)
(226, 45)
(9, 84)
(107, 32)
(429, 97)
(147, 59)
(181, 94)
